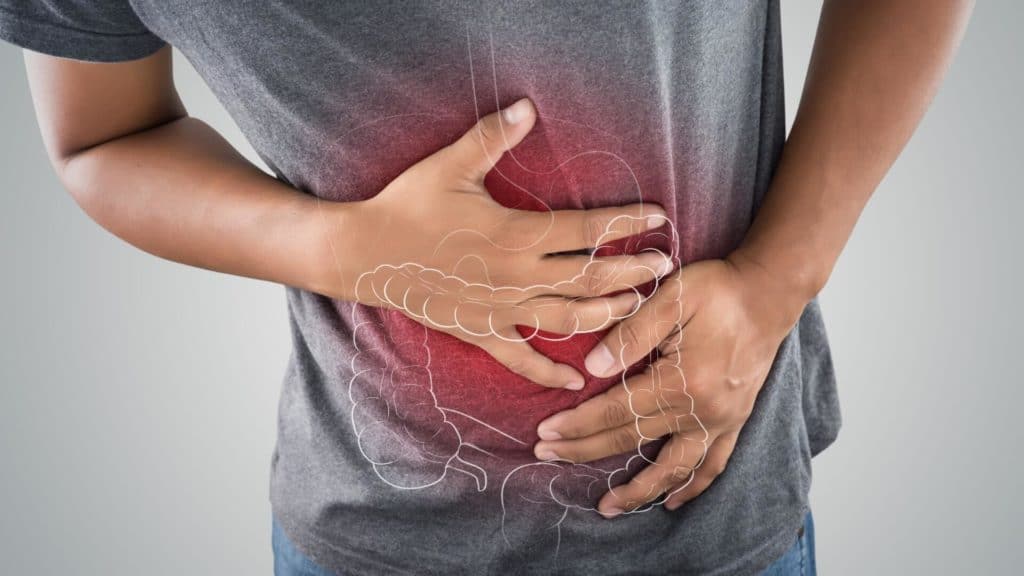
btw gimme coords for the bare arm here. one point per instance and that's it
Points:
(123, 145)
(875, 67)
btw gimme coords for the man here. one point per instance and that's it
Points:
(551, 268)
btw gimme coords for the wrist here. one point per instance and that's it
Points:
(800, 273)
(331, 242)
(784, 291)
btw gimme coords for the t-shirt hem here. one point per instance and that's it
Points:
(327, 555)
(330, 556)
(756, 561)
(72, 43)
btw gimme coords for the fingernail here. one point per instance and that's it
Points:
(672, 507)
(600, 361)
(546, 455)
(516, 112)
(612, 512)
(548, 434)
(575, 384)
(547, 430)
(655, 221)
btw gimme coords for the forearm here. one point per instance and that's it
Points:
(181, 192)
(875, 68)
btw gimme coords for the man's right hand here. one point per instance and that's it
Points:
(433, 243)
(443, 252)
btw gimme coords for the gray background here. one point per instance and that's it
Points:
(138, 397)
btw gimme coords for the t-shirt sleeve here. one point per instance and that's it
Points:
(97, 30)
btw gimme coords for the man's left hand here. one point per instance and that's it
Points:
(718, 321)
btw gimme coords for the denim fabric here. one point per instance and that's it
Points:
(797, 561)
(288, 561)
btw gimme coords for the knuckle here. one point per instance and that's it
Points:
(486, 135)
(597, 314)
(594, 277)
(629, 334)
(675, 425)
(614, 414)
(679, 401)
(716, 468)
(680, 473)
(568, 322)
(593, 230)
(622, 441)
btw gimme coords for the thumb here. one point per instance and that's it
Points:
(479, 149)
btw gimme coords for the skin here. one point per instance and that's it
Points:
(167, 183)
(123, 145)
(875, 68)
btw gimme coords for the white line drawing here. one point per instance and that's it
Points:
(418, 453)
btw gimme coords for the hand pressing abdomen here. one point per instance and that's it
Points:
(442, 251)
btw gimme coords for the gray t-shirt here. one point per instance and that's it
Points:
(401, 449)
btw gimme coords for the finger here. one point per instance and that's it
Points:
(586, 276)
(565, 316)
(570, 230)
(635, 337)
(659, 390)
(623, 439)
(674, 467)
(519, 357)
(714, 465)
(479, 149)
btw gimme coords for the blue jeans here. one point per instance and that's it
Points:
(797, 561)
(288, 561)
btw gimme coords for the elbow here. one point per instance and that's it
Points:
(79, 174)
(94, 171)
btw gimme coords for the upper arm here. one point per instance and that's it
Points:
(81, 104)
